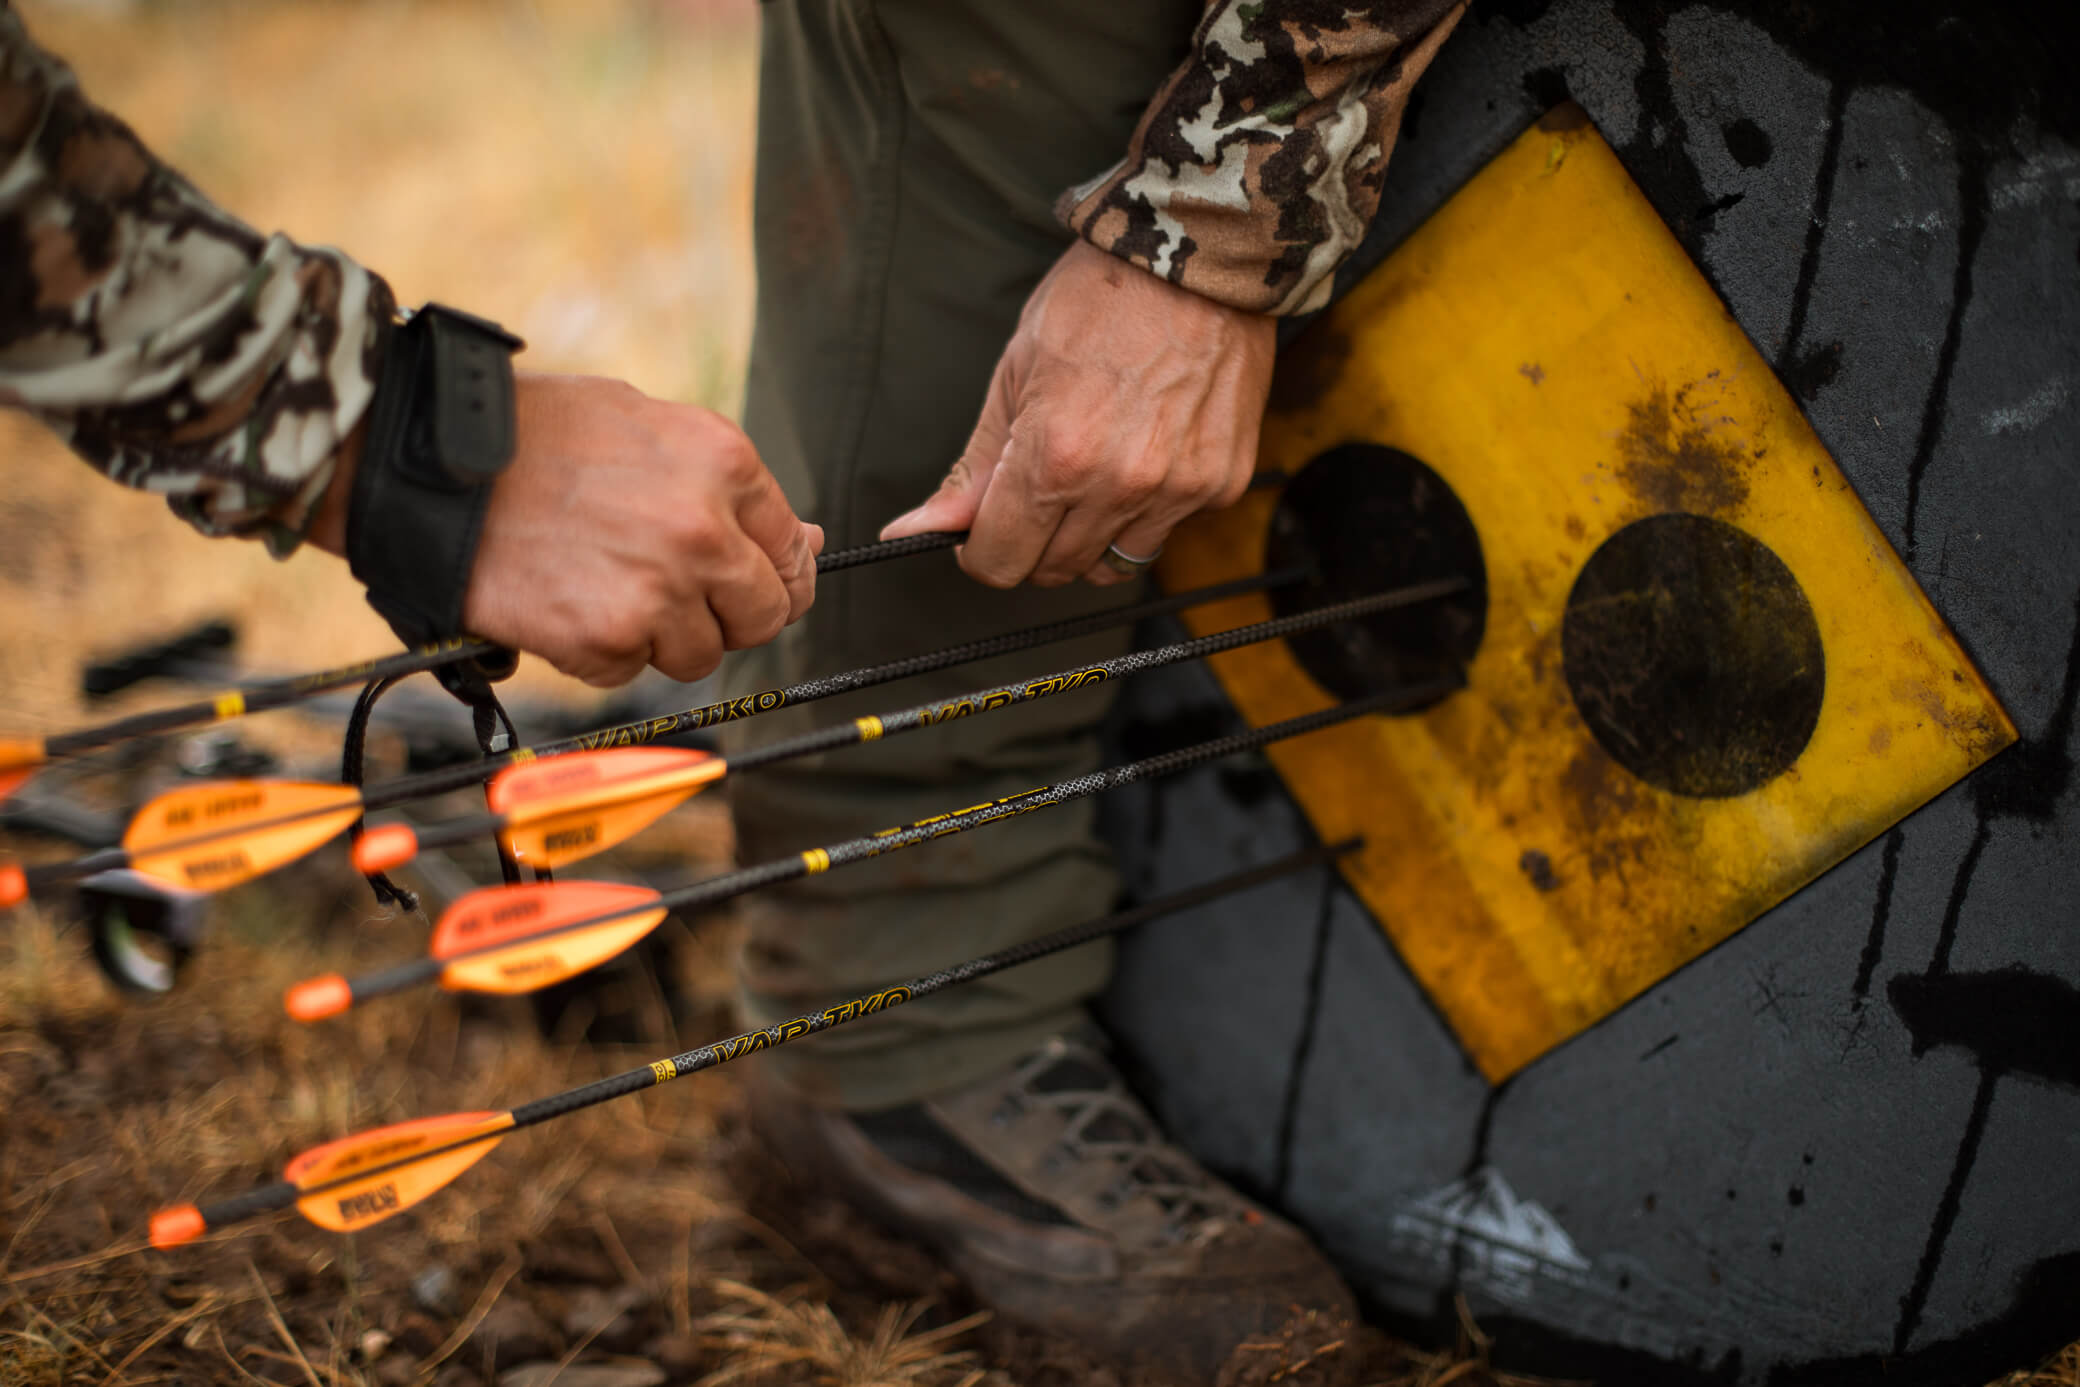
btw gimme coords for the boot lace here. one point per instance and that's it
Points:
(1104, 1122)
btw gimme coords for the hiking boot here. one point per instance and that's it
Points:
(1055, 1196)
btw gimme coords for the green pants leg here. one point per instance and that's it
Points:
(908, 156)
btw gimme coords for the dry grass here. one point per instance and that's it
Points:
(796, 1337)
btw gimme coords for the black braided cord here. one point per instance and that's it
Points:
(353, 767)
(838, 559)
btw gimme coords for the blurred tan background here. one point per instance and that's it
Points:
(578, 169)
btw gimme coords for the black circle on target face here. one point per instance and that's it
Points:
(1367, 518)
(1692, 654)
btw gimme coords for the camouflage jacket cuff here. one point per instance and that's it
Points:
(1259, 164)
(173, 347)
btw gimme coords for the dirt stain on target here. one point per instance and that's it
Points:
(1677, 452)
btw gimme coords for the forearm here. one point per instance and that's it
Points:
(174, 348)
(1258, 166)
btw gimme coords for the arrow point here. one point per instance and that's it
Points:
(180, 1224)
(318, 998)
(380, 849)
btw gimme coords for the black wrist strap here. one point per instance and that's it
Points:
(439, 431)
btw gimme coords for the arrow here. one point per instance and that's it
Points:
(554, 813)
(525, 958)
(209, 836)
(211, 859)
(360, 1180)
(506, 939)
(20, 757)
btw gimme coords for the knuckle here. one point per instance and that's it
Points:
(760, 626)
(617, 638)
(689, 665)
(695, 530)
(1143, 479)
(734, 456)
(1068, 466)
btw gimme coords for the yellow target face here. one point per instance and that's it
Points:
(1698, 676)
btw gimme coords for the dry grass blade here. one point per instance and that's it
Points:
(210, 1300)
(767, 1333)
(489, 1297)
(281, 1326)
(242, 1370)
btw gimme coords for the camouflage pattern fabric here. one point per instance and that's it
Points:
(174, 348)
(1258, 166)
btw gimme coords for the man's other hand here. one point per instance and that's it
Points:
(627, 532)
(1121, 405)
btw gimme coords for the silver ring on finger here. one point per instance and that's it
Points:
(1120, 561)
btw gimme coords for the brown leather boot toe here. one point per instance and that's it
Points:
(1056, 1197)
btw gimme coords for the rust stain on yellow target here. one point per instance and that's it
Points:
(1702, 676)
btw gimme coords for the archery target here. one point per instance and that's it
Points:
(1698, 676)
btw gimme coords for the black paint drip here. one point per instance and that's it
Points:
(1303, 1044)
(1935, 409)
(1805, 375)
(1881, 915)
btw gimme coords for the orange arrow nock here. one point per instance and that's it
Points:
(317, 998)
(381, 849)
(180, 1224)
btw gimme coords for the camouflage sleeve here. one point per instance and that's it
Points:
(1258, 166)
(173, 347)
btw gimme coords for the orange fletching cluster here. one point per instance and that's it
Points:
(211, 836)
(585, 774)
(496, 936)
(356, 1180)
(567, 808)
(14, 885)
